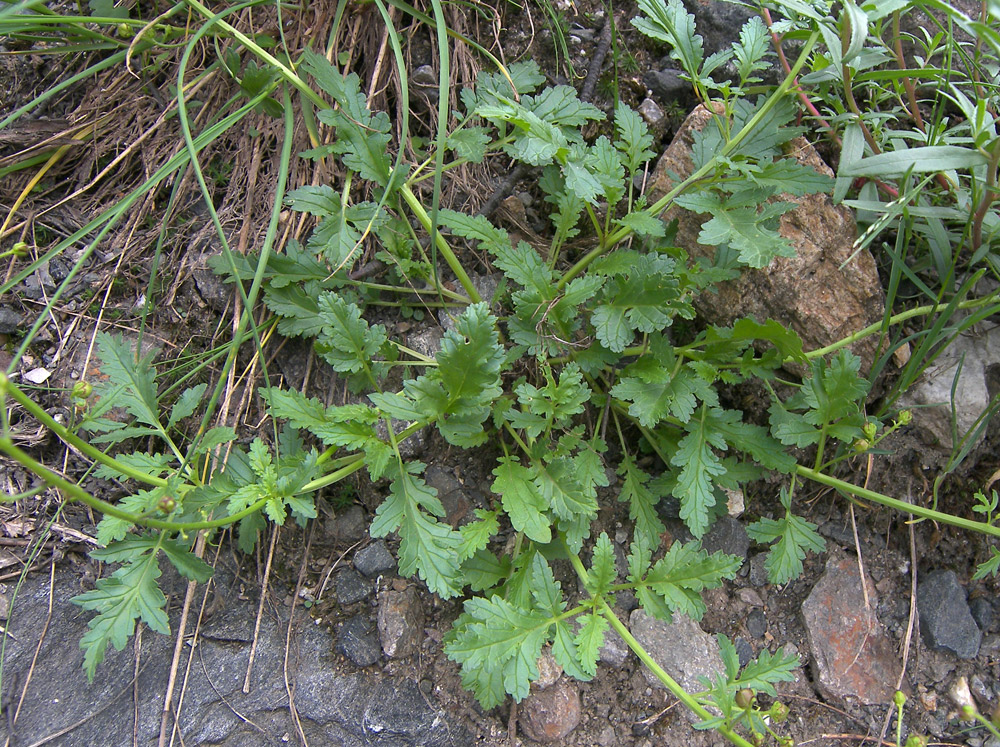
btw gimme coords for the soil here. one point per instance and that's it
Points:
(190, 307)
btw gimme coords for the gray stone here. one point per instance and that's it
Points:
(744, 650)
(10, 321)
(667, 85)
(945, 619)
(427, 342)
(351, 710)
(729, 536)
(756, 623)
(357, 639)
(400, 622)
(717, 22)
(758, 573)
(851, 652)
(213, 289)
(980, 607)
(374, 559)
(681, 647)
(351, 587)
(615, 651)
(549, 715)
(456, 501)
(347, 526)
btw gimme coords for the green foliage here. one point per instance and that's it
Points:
(792, 536)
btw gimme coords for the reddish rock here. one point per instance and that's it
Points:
(810, 293)
(852, 654)
(549, 715)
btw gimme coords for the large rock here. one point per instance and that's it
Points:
(852, 654)
(810, 293)
(400, 622)
(681, 647)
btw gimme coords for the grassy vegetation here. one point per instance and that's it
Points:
(573, 361)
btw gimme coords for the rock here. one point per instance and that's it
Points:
(374, 559)
(451, 493)
(351, 587)
(744, 650)
(607, 737)
(717, 22)
(615, 651)
(930, 399)
(549, 715)
(756, 623)
(682, 648)
(424, 83)
(750, 597)
(213, 289)
(357, 639)
(945, 619)
(549, 671)
(400, 622)
(427, 341)
(809, 293)
(980, 607)
(651, 112)
(10, 321)
(347, 525)
(667, 85)
(758, 571)
(851, 652)
(729, 536)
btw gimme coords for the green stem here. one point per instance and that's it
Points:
(6, 387)
(440, 243)
(895, 503)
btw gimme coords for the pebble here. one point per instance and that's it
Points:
(548, 671)
(750, 597)
(982, 612)
(667, 85)
(347, 525)
(615, 651)
(758, 573)
(10, 321)
(744, 650)
(729, 536)
(357, 639)
(756, 623)
(549, 715)
(945, 618)
(374, 559)
(351, 587)
(400, 622)
(651, 112)
(607, 737)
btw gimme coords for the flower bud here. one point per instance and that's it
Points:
(899, 699)
(905, 417)
(20, 249)
(870, 430)
(82, 390)
(916, 740)
(778, 712)
(861, 445)
(167, 504)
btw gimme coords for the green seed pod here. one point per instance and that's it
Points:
(862, 445)
(744, 698)
(905, 417)
(915, 740)
(899, 699)
(82, 390)
(167, 504)
(20, 249)
(870, 430)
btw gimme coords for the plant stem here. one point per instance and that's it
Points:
(895, 503)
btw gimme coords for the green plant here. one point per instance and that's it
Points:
(580, 345)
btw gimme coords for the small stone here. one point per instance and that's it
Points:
(347, 526)
(945, 618)
(982, 612)
(548, 671)
(744, 650)
(729, 536)
(851, 652)
(4, 607)
(374, 559)
(10, 321)
(681, 647)
(357, 639)
(351, 587)
(615, 651)
(756, 623)
(758, 572)
(607, 737)
(980, 691)
(426, 342)
(549, 715)
(651, 112)
(750, 597)
(400, 622)
(667, 85)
